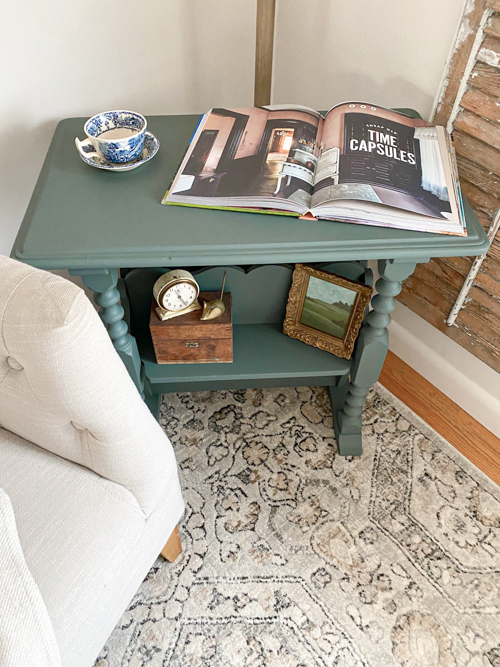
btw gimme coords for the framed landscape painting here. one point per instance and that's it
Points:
(325, 310)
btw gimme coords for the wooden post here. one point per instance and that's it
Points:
(369, 355)
(173, 547)
(266, 10)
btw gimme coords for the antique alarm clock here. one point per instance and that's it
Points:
(176, 293)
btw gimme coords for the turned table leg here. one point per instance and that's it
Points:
(103, 283)
(369, 355)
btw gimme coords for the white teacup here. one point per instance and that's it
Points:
(114, 136)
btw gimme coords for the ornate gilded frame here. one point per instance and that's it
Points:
(293, 327)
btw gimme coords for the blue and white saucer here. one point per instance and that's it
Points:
(151, 146)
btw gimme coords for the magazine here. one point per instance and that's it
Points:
(360, 163)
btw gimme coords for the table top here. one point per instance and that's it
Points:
(82, 217)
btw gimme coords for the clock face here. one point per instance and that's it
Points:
(179, 296)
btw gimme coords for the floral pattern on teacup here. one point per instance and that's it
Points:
(119, 150)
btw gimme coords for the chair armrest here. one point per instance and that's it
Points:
(64, 387)
(26, 633)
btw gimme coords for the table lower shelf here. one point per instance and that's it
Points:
(263, 357)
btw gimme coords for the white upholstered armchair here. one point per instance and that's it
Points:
(89, 478)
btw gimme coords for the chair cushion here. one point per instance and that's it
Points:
(26, 633)
(77, 531)
(64, 387)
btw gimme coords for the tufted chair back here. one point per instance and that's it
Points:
(64, 387)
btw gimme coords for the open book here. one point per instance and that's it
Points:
(360, 163)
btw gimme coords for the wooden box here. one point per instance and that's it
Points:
(188, 340)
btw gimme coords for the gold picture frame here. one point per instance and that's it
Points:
(312, 316)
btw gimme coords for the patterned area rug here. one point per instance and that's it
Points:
(296, 557)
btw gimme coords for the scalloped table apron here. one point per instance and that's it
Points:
(111, 230)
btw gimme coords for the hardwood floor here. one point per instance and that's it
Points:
(470, 437)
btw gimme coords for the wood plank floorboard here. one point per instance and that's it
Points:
(466, 434)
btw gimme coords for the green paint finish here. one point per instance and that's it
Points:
(95, 222)
(153, 402)
(369, 355)
(246, 383)
(259, 293)
(261, 352)
(89, 218)
(347, 444)
(263, 355)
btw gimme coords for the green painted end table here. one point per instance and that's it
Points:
(96, 223)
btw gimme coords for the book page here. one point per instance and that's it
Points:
(293, 107)
(254, 156)
(377, 155)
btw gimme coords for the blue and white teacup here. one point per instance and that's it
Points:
(114, 136)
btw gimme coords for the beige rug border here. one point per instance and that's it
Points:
(428, 432)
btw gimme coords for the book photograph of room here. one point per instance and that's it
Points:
(252, 151)
(250, 333)
(382, 157)
(361, 163)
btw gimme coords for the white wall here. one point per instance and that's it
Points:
(79, 57)
(473, 385)
(468, 381)
(388, 52)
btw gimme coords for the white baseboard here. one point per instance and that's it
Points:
(469, 382)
